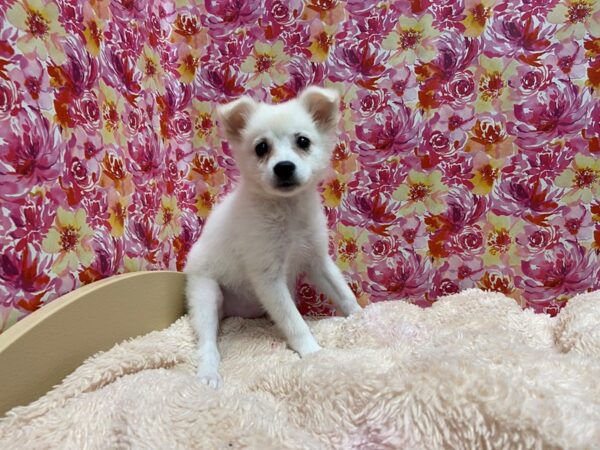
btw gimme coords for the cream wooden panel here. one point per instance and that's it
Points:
(40, 350)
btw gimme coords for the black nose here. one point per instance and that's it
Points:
(284, 170)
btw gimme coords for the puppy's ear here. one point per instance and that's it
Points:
(234, 116)
(323, 105)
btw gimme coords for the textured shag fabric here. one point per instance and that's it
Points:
(473, 371)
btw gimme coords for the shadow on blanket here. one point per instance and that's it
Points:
(473, 371)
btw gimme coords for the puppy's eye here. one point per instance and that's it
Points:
(261, 149)
(303, 142)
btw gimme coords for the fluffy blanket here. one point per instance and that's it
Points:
(473, 371)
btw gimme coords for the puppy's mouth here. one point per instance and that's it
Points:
(286, 185)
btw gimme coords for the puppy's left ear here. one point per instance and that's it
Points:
(323, 105)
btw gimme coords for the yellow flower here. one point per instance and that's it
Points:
(577, 17)
(493, 91)
(205, 202)
(348, 243)
(478, 13)
(153, 73)
(266, 64)
(117, 214)
(43, 32)
(168, 217)
(489, 134)
(189, 63)
(203, 124)
(93, 31)
(133, 264)
(322, 37)
(423, 193)
(70, 238)
(333, 189)
(412, 40)
(501, 238)
(582, 180)
(111, 107)
(486, 174)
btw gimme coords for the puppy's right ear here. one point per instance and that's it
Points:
(234, 116)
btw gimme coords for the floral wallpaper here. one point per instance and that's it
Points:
(468, 151)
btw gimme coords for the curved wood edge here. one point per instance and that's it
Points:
(40, 350)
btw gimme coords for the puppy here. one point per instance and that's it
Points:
(270, 228)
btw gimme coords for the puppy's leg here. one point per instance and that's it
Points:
(275, 296)
(328, 278)
(205, 301)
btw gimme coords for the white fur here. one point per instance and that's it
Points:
(261, 237)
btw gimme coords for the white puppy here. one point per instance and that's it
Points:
(270, 228)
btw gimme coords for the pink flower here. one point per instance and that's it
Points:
(537, 240)
(469, 241)
(95, 205)
(576, 221)
(453, 118)
(225, 16)
(71, 15)
(448, 14)
(220, 82)
(108, 259)
(412, 232)
(458, 171)
(34, 83)
(126, 10)
(147, 159)
(368, 208)
(510, 35)
(405, 276)
(80, 68)
(32, 219)
(459, 90)
(569, 58)
(279, 15)
(85, 112)
(464, 208)
(544, 163)
(302, 73)
(530, 80)
(525, 198)
(385, 178)
(559, 111)
(377, 24)
(25, 279)
(357, 61)
(443, 285)
(311, 303)
(391, 133)
(141, 239)
(10, 99)
(400, 82)
(380, 248)
(30, 154)
(538, 9)
(79, 177)
(439, 145)
(567, 270)
(368, 103)
(455, 54)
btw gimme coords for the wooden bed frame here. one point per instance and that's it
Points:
(39, 351)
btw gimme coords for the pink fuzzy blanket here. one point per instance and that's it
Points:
(473, 371)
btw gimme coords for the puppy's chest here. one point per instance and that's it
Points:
(290, 237)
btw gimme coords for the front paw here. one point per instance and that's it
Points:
(351, 309)
(307, 347)
(209, 376)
